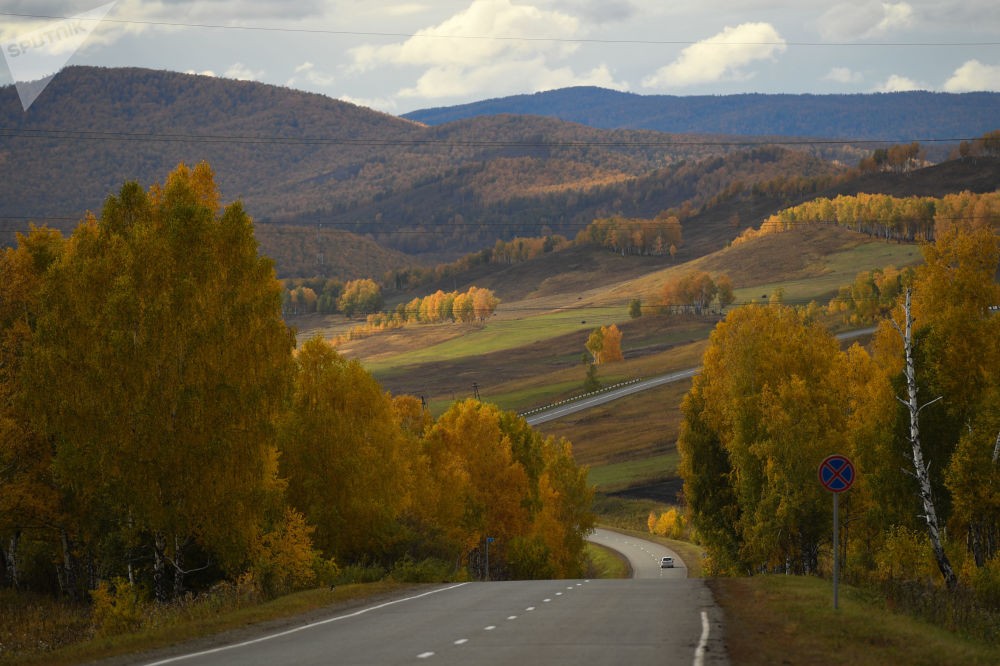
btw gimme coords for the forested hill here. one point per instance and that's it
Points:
(315, 165)
(902, 116)
(301, 158)
(285, 152)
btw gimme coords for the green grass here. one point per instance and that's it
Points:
(833, 272)
(616, 476)
(791, 620)
(173, 625)
(500, 335)
(604, 562)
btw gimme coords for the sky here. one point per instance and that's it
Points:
(411, 54)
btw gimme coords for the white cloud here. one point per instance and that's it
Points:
(974, 76)
(241, 72)
(484, 32)
(504, 78)
(385, 104)
(306, 73)
(897, 83)
(853, 21)
(843, 75)
(491, 48)
(720, 57)
(204, 72)
(898, 16)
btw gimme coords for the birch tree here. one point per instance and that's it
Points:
(160, 363)
(921, 469)
(342, 453)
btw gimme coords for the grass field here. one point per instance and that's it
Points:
(173, 625)
(616, 476)
(606, 563)
(529, 354)
(791, 620)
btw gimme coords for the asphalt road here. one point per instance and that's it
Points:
(607, 396)
(644, 556)
(654, 618)
(559, 411)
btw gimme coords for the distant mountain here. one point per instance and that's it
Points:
(894, 117)
(307, 166)
(305, 159)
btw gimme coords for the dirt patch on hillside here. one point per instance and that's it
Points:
(778, 257)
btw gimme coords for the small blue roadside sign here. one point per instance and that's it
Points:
(836, 473)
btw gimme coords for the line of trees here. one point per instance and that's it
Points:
(306, 295)
(871, 296)
(777, 395)
(158, 428)
(988, 144)
(473, 306)
(884, 216)
(899, 158)
(658, 236)
(695, 291)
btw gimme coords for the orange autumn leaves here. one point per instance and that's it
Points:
(156, 423)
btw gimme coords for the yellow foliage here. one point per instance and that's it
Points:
(286, 557)
(118, 607)
(670, 524)
(905, 555)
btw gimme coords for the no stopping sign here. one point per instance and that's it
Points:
(836, 473)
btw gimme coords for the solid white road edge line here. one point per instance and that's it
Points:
(699, 653)
(297, 629)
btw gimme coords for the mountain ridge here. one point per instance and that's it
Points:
(893, 117)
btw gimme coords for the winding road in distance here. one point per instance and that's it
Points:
(657, 617)
(559, 411)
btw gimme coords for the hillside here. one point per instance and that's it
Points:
(903, 116)
(550, 303)
(304, 159)
(309, 251)
(284, 152)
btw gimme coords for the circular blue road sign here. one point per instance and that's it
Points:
(836, 473)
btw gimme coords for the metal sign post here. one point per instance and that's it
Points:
(836, 474)
(489, 540)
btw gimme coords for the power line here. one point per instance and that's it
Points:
(106, 135)
(277, 227)
(501, 38)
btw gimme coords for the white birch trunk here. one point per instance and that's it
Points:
(920, 468)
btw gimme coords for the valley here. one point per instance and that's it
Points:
(529, 354)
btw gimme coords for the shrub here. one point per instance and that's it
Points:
(430, 570)
(119, 607)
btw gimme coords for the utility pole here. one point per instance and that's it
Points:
(475, 390)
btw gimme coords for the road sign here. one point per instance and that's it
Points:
(836, 473)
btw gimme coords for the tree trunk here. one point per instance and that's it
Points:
(920, 468)
(159, 568)
(13, 574)
(178, 567)
(68, 566)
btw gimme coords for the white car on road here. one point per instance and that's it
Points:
(667, 563)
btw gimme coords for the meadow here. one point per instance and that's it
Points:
(531, 352)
